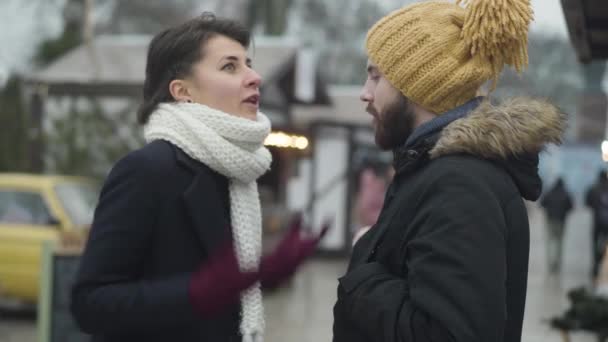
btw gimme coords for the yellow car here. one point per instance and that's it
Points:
(35, 209)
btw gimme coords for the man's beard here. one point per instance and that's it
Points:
(395, 124)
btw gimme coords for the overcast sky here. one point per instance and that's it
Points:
(549, 18)
(23, 25)
(22, 29)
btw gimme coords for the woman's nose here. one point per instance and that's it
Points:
(253, 79)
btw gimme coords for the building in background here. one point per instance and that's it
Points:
(586, 21)
(106, 75)
(326, 184)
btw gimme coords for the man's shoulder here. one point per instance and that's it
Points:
(458, 173)
(463, 168)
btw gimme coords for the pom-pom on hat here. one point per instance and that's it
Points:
(438, 53)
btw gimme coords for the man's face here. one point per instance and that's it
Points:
(393, 116)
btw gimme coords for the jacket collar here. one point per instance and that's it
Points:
(201, 201)
(185, 160)
(422, 140)
(516, 127)
(438, 123)
(509, 129)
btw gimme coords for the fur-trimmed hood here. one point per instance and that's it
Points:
(511, 134)
(516, 126)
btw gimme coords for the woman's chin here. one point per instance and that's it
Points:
(249, 115)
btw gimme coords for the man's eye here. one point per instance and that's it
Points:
(229, 67)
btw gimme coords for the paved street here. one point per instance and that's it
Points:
(302, 313)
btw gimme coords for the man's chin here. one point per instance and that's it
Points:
(383, 145)
(386, 144)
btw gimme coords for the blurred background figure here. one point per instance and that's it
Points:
(372, 183)
(597, 200)
(601, 282)
(557, 203)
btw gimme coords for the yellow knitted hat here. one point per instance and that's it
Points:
(438, 54)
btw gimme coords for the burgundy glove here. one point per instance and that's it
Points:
(291, 252)
(218, 283)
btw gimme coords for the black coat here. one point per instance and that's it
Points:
(159, 217)
(593, 199)
(447, 260)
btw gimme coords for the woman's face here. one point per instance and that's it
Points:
(223, 79)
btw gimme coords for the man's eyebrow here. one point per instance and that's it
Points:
(371, 69)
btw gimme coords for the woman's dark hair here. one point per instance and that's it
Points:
(172, 53)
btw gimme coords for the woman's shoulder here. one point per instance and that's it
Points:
(156, 159)
(158, 152)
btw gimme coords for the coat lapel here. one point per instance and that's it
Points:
(204, 200)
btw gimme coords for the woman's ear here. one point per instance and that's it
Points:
(180, 91)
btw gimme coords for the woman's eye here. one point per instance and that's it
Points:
(229, 67)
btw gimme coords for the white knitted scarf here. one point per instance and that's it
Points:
(233, 147)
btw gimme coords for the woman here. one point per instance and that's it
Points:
(176, 238)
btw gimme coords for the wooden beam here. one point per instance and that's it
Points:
(577, 27)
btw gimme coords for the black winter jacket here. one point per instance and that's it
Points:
(447, 260)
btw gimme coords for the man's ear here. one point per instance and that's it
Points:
(180, 90)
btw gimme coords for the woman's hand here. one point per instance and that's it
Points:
(290, 253)
(218, 283)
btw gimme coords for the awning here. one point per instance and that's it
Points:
(587, 22)
(115, 66)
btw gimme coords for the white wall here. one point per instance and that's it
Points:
(330, 155)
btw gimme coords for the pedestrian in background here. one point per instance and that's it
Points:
(557, 203)
(372, 183)
(597, 200)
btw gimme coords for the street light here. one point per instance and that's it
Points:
(284, 140)
(605, 150)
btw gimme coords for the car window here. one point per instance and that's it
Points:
(79, 201)
(23, 207)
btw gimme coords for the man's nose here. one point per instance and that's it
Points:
(366, 95)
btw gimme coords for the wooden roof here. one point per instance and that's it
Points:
(115, 66)
(587, 22)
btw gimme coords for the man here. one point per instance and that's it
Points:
(597, 200)
(448, 257)
(557, 203)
